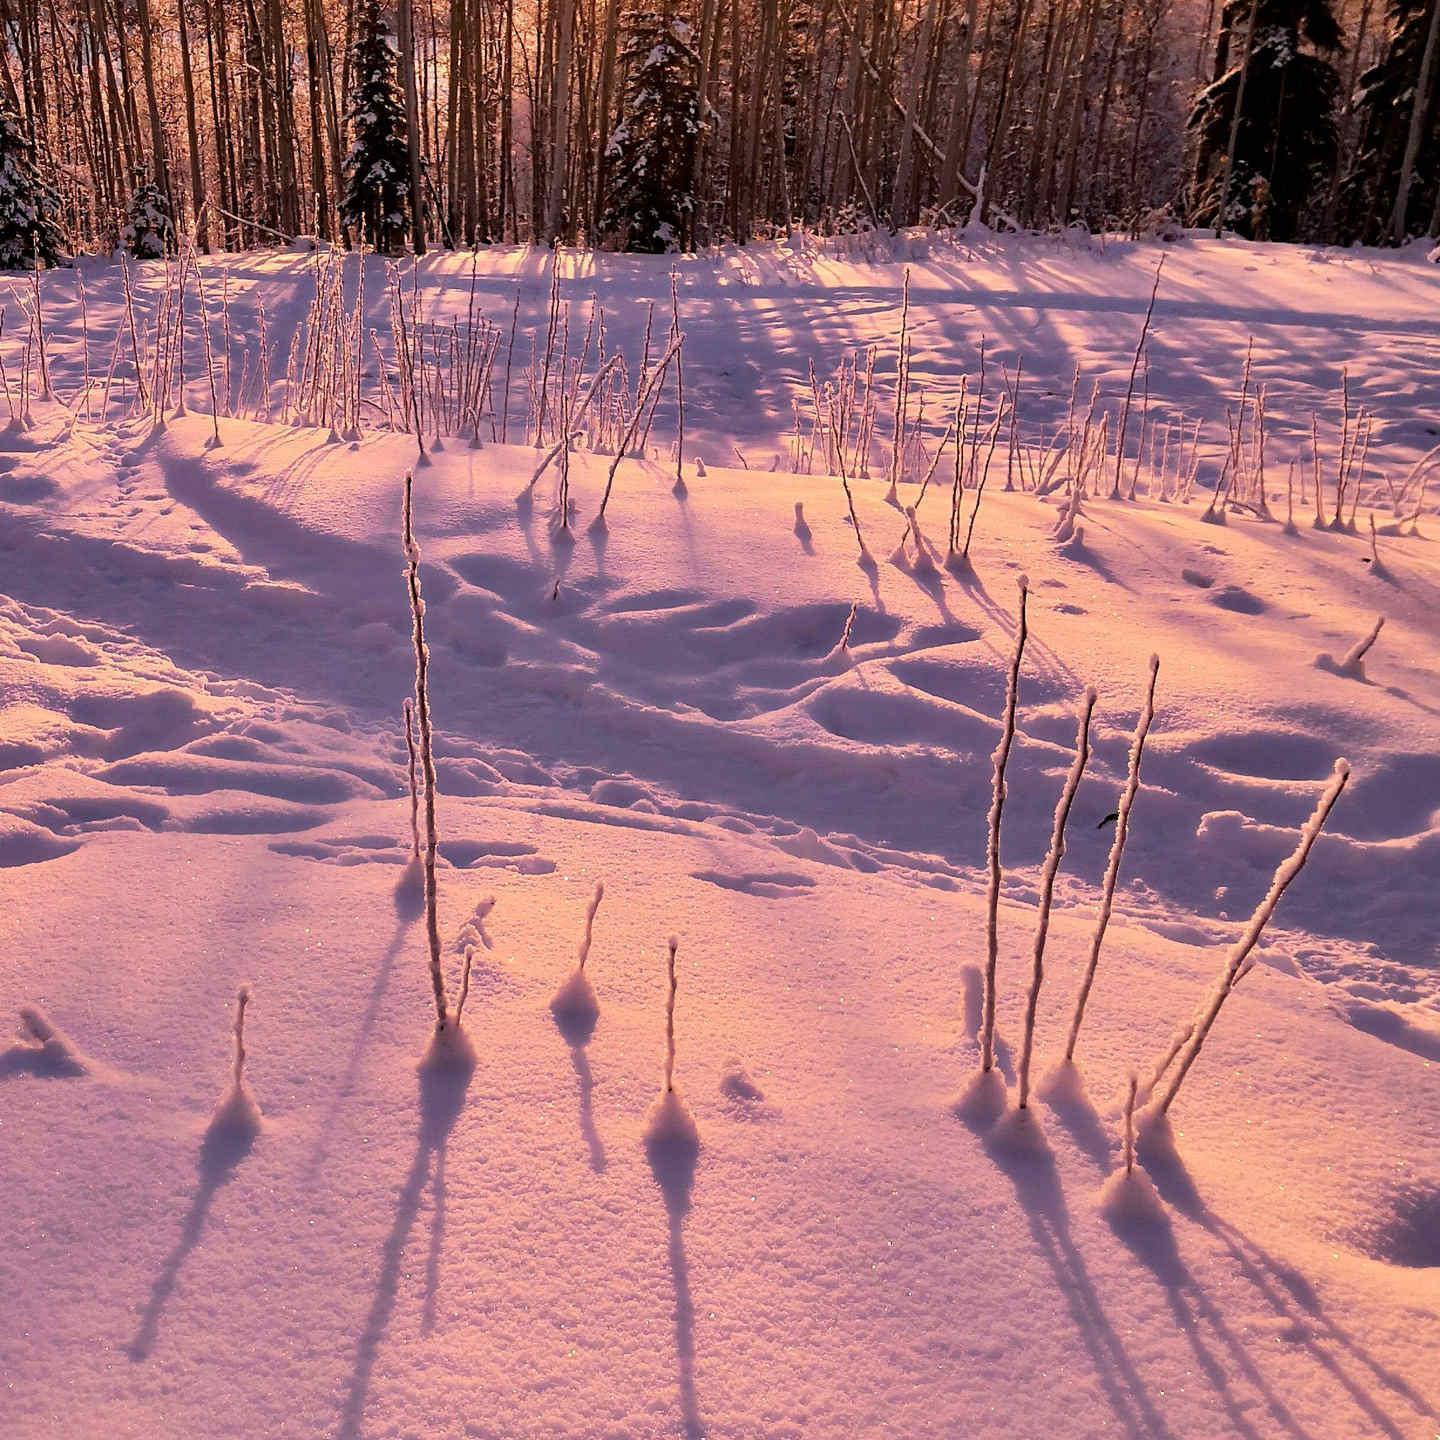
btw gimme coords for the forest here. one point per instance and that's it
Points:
(635, 125)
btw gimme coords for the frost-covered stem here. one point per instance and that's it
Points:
(957, 478)
(209, 353)
(679, 379)
(984, 477)
(1117, 852)
(935, 462)
(992, 843)
(40, 331)
(590, 910)
(1130, 389)
(647, 386)
(1356, 653)
(897, 438)
(1048, 872)
(1341, 466)
(242, 999)
(573, 423)
(670, 1021)
(130, 321)
(427, 754)
(84, 335)
(1415, 471)
(1177, 1041)
(359, 360)
(553, 319)
(1288, 869)
(845, 481)
(1011, 453)
(1366, 425)
(4, 374)
(1130, 1095)
(464, 985)
(225, 322)
(414, 789)
(849, 625)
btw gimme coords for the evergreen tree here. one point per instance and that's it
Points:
(147, 232)
(28, 206)
(377, 169)
(1286, 137)
(650, 153)
(1388, 94)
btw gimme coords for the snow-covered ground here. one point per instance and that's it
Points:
(204, 652)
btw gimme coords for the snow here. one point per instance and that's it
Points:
(844, 1228)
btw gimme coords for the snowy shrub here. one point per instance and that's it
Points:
(147, 233)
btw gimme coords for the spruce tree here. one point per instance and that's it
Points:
(1286, 137)
(29, 232)
(1387, 99)
(147, 232)
(651, 206)
(377, 169)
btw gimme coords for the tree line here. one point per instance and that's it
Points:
(671, 124)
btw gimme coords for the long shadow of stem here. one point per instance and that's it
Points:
(443, 1083)
(362, 1036)
(1037, 1187)
(576, 1026)
(1287, 1293)
(221, 1152)
(672, 1162)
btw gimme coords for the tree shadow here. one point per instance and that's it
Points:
(672, 1162)
(444, 1079)
(221, 1152)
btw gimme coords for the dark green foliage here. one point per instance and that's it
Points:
(29, 232)
(147, 233)
(651, 204)
(1286, 142)
(1387, 95)
(377, 169)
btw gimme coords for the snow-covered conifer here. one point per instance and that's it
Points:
(377, 185)
(1273, 65)
(1399, 95)
(148, 233)
(651, 207)
(29, 207)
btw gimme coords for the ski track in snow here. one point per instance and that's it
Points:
(203, 654)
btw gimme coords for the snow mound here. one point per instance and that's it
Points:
(1129, 1200)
